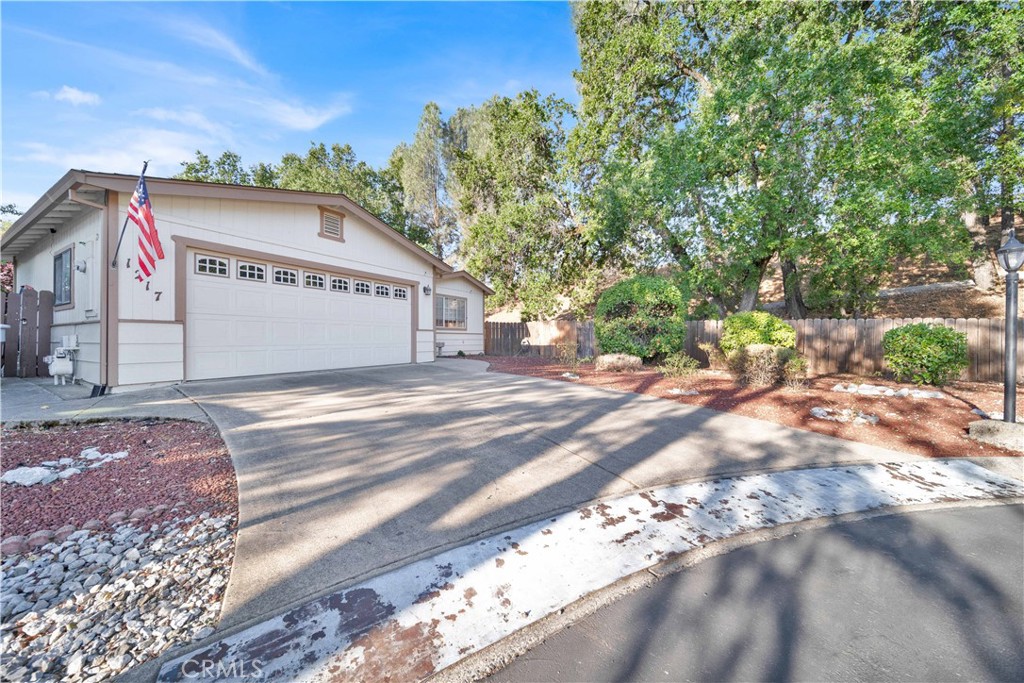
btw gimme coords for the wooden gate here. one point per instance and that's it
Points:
(30, 316)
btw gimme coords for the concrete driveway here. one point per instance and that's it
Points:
(344, 475)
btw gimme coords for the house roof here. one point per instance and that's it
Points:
(79, 189)
(457, 274)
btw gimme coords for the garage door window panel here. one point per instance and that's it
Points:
(401, 293)
(340, 284)
(450, 312)
(253, 272)
(314, 280)
(362, 287)
(286, 276)
(212, 265)
(381, 290)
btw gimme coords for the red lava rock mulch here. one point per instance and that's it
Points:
(931, 427)
(169, 462)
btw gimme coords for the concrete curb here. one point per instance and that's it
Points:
(419, 619)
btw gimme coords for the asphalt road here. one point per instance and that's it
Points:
(928, 596)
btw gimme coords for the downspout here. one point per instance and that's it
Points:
(108, 301)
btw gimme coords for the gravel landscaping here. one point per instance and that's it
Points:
(128, 555)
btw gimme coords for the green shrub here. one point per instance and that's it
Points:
(794, 372)
(757, 327)
(763, 365)
(618, 362)
(716, 359)
(679, 365)
(565, 352)
(925, 354)
(643, 316)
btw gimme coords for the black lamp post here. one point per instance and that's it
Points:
(1011, 257)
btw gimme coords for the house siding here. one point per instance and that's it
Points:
(147, 324)
(35, 269)
(285, 230)
(470, 340)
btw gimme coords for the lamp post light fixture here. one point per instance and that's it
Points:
(1010, 257)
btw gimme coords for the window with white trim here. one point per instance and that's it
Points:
(362, 287)
(400, 293)
(212, 265)
(286, 276)
(450, 312)
(62, 273)
(381, 290)
(340, 284)
(255, 272)
(314, 280)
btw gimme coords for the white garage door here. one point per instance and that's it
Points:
(252, 318)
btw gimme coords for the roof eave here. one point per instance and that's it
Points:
(51, 198)
(174, 186)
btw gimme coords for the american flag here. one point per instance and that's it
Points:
(140, 211)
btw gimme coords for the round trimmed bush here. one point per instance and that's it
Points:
(925, 353)
(740, 330)
(644, 316)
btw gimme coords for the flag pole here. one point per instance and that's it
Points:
(113, 264)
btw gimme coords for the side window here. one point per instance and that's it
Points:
(211, 265)
(62, 270)
(450, 312)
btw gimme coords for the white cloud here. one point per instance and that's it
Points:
(299, 116)
(120, 153)
(210, 38)
(191, 118)
(76, 96)
(153, 70)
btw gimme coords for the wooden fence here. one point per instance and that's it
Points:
(30, 316)
(541, 338)
(830, 346)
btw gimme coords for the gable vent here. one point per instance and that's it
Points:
(332, 225)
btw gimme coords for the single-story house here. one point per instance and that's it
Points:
(253, 281)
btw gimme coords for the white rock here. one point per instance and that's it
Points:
(70, 472)
(822, 413)
(90, 454)
(75, 664)
(66, 461)
(26, 476)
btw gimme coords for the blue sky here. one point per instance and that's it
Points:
(103, 86)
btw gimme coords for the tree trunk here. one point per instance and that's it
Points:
(748, 299)
(795, 308)
(982, 247)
